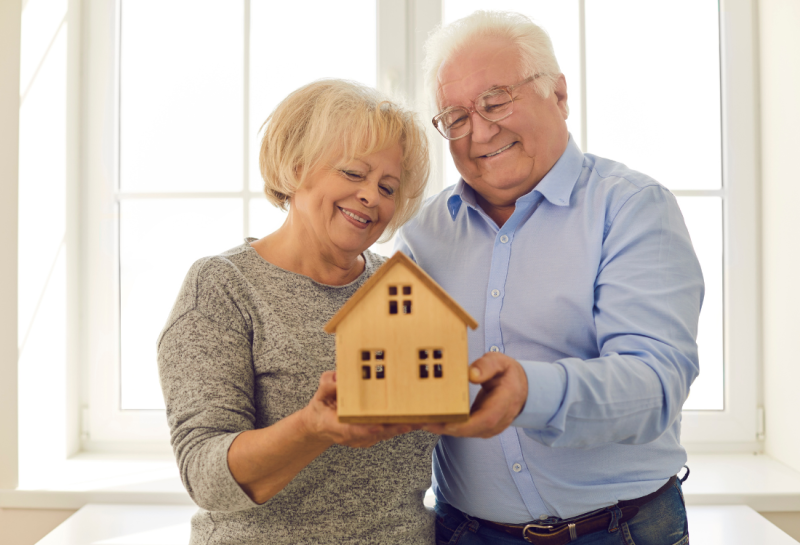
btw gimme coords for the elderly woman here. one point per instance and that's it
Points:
(245, 366)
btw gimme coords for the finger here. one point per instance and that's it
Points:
(361, 436)
(490, 414)
(487, 367)
(327, 387)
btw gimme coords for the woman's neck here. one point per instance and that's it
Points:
(292, 249)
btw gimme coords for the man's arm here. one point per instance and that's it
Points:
(648, 293)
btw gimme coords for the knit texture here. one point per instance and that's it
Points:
(243, 348)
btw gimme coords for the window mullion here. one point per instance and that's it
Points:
(246, 123)
(582, 37)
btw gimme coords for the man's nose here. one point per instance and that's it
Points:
(482, 130)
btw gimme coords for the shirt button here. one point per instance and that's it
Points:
(542, 517)
(495, 293)
(494, 349)
(504, 239)
(517, 468)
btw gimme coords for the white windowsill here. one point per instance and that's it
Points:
(169, 525)
(756, 481)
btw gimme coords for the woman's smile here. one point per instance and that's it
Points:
(355, 218)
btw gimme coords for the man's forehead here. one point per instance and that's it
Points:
(475, 68)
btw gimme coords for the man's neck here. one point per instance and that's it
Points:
(498, 212)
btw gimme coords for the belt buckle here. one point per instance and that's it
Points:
(538, 526)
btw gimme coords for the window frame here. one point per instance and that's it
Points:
(402, 28)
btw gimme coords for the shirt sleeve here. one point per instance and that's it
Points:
(648, 294)
(206, 371)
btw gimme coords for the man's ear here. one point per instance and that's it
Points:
(561, 95)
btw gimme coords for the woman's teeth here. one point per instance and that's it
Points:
(501, 150)
(362, 220)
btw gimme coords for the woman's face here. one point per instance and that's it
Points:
(345, 206)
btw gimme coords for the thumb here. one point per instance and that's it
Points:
(487, 367)
(327, 384)
(475, 373)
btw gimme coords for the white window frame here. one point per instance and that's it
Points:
(736, 427)
(403, 26)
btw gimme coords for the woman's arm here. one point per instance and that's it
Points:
(264, 461)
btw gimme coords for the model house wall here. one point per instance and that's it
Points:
(401, 350)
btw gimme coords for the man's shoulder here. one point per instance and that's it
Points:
(610, 173)
(434, 208)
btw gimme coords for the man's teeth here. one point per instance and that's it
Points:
(362, 220)
(501, 150)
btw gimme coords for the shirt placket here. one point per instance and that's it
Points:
(493, 338)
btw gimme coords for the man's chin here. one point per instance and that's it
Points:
(502, 184)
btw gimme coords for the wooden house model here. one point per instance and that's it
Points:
(401, 350)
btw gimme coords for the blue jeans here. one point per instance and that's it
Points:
(661, 521)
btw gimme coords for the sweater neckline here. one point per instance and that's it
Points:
(369, 268)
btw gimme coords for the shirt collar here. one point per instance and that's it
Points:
(556, 186)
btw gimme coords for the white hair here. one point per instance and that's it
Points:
(534, 46)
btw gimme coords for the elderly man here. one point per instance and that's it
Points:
(583, 278)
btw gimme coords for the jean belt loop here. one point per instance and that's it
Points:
(472, 524)
(686, 476)
(616, 514)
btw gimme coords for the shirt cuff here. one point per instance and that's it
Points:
(547, 383)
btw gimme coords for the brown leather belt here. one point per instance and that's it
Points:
(569, 530)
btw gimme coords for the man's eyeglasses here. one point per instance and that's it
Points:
(493, 105)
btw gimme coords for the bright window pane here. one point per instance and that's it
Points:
(159, 241)
(41, 21)
(561, 21)
(703, 217)
(264, 218)
(653, 95)
(181, 93)
(289, 48)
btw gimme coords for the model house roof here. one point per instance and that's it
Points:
(396, 259)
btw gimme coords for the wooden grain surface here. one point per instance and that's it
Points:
(402, 393)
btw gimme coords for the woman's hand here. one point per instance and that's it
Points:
(265, 460)
(320, 420)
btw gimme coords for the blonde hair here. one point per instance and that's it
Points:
(532, 42)
(330, 116)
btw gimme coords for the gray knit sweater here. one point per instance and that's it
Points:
(244, 348)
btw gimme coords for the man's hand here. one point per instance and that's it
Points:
(504, 390)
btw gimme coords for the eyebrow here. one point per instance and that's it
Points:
(370, 168)
(494, 86)
(392, 176)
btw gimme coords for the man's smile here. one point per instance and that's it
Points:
(498, 152)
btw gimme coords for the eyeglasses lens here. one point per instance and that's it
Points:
(492, 106)
(495, 105)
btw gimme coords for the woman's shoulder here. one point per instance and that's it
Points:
(223, 266)
(373, 262)
(212, 283)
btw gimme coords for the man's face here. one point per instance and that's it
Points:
(503, 160)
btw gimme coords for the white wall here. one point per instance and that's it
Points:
(779, 22)
(9, 152)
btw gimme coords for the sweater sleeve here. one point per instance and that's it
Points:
(207, 377)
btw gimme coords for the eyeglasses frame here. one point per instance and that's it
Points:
(470, 111)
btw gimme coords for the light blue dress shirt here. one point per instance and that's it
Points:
(593, 286)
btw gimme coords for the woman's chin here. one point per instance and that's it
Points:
(353, 245)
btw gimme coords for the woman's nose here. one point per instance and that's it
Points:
(368, 193)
